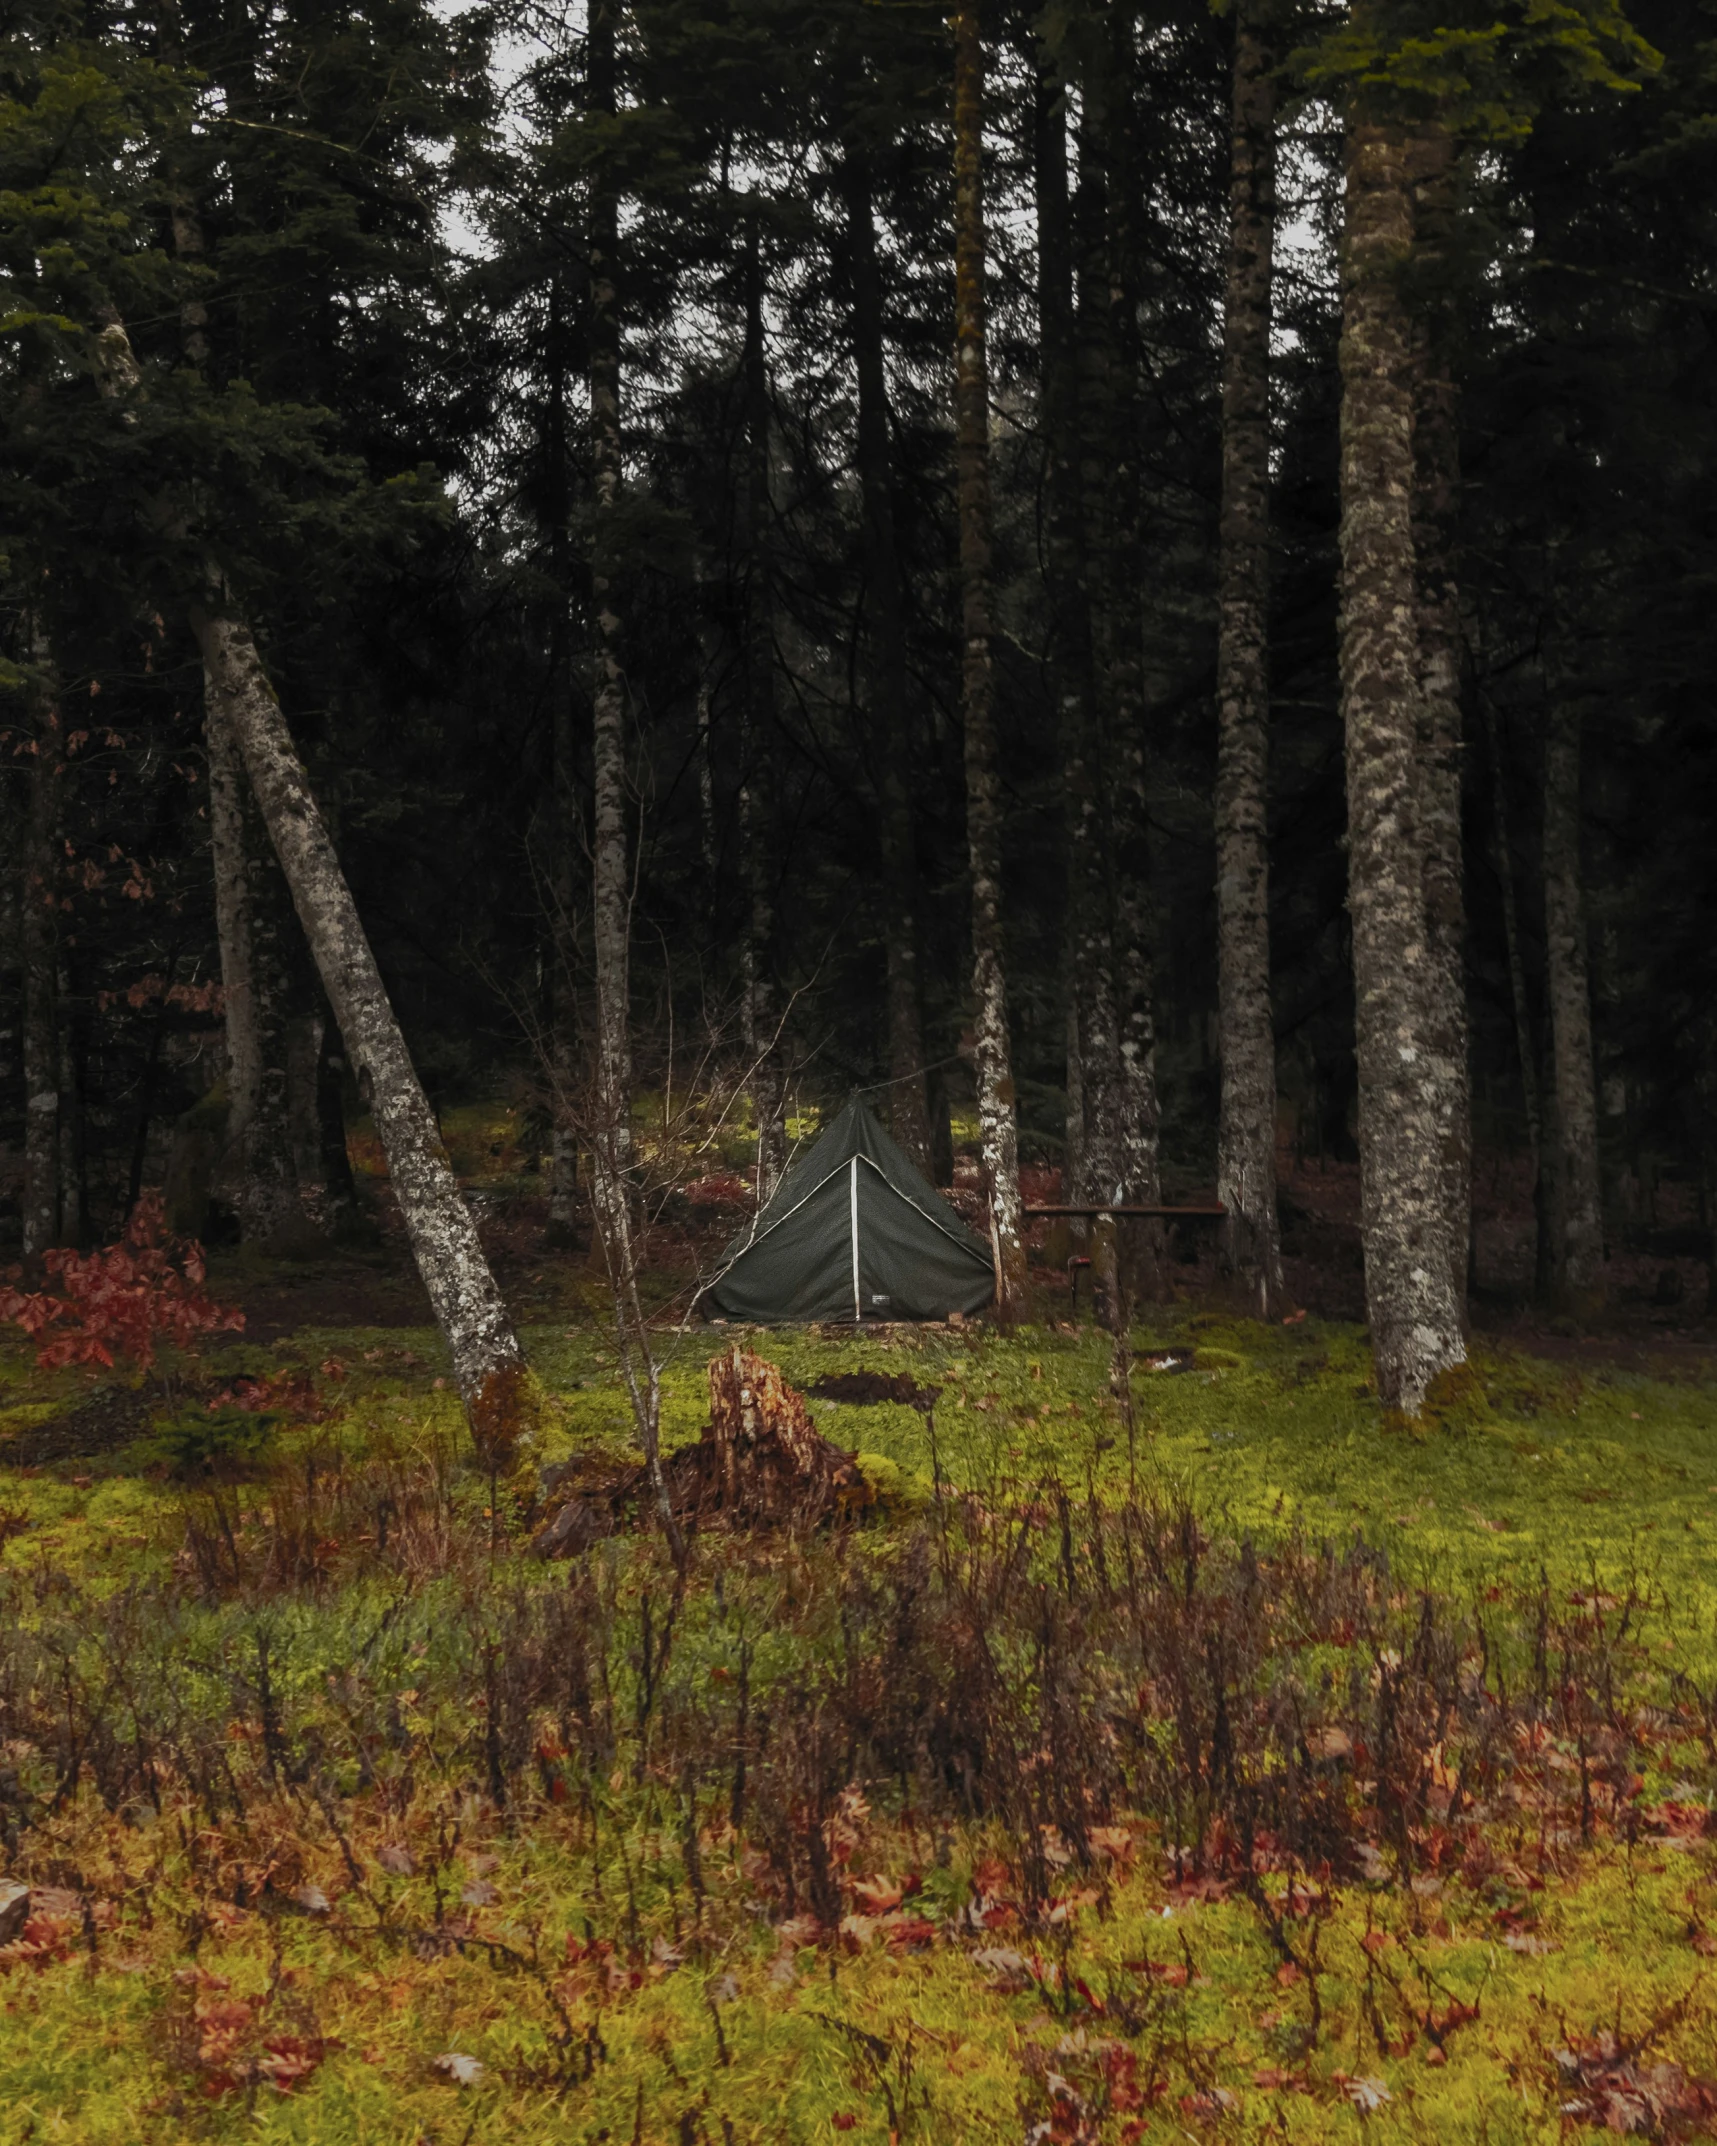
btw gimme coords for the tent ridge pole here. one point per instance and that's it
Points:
(858, 1308)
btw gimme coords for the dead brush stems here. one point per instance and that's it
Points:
(311, 1520)
(1282, 1716)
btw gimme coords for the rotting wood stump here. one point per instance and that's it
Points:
(761, 1462)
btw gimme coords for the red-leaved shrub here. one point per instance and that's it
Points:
(122, 1300)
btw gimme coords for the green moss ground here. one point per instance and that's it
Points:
(1597, 1478)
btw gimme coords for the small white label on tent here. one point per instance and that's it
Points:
(880, 1300)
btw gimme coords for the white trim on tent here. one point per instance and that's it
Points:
(858, 1308)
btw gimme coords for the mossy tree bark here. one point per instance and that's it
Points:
(1246, 1125)
(488, 1363)
(1436, 500)
(1416, 1325)
(998, 1122)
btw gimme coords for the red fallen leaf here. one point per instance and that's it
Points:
(906, 1933)
(844, 2121)
(1173, 1972)
(991, 1877)
(1288, 1974)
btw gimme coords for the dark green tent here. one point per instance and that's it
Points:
(853, 1232)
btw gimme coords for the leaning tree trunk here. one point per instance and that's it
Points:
(1435, 516)
(1415, 1318)
(996, 1109)
(39, 945)
(1246, 1125)
(908, 1107)
(611, 880)
(488, 1364)
(760, 1009)
(1579, 1243)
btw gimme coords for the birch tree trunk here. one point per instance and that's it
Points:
(761, 1008)
(1435, 530)
(1579, 1241)
(488, 1364)
(908, 1107)
(611, 880)
(1246, 1126)
(39, 946)
(996, 1103)
(1415, 1319)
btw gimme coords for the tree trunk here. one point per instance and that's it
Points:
(488, 1363)
(1525, 1045)
(1436, 506)
(73, 1114)
(339, 1187)
(996, 1109)
(908, 1108)
(564, 816)
(1246, 1127)
(611, 887)
(761, 1013)
(1579, 1244)
(1415, 1319)
(39, 941)
(258, 1130)
(1121, 699)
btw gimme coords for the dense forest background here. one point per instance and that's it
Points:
(350, 249)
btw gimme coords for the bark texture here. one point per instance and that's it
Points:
(997, 1117)
(1436, 498)
(488, 1363)
(1416, 1327)
(1579, 1242)
(611, 880)
(1246, 1126)
(39, 946)
(885, 588)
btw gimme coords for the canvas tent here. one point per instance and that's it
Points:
(853, 1232)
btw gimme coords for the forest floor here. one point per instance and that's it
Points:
(1266, 1772)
